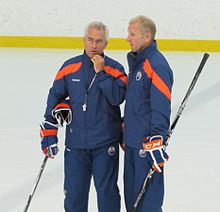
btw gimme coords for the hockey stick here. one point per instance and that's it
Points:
(179, 112)
(37, 181)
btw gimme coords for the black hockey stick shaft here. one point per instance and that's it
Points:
(175, 121)
(36, 184)
(192, 85)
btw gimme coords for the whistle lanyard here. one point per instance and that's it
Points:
(84, 106)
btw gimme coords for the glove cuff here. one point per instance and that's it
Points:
(48, 129)
(48, 132)
(152, 142)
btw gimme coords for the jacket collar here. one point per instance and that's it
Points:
(141, 56)
(87, 59)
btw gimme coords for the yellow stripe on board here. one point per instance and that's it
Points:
(114, 43)
(41, 42)
(189, 45)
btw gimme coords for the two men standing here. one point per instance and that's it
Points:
(95, 86)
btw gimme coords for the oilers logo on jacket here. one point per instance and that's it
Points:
(148, 97)
(94, 100)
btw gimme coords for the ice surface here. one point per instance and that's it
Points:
(192, 174)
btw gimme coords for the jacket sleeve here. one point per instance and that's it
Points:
(112, 82)
(57, 93)
(160, 97)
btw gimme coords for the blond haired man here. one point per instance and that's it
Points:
(147, 115)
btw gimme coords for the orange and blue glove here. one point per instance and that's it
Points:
(155, 152)
(63, 115)
(48, 133)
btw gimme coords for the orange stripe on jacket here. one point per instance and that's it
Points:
(68, 70)
(116, 73)
(156, 80)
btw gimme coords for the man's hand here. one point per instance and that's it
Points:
(153, 147)
(48, 133)
(98, 62)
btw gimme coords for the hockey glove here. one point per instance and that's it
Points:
(48, 133)
(155, 153)
(62, 113)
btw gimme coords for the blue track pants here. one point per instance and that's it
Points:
(135, 171)
(79, 166)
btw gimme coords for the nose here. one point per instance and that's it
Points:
(94, 45)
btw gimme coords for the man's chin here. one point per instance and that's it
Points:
(133, 49)
(92, 54)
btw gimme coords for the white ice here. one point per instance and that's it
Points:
(192, 175)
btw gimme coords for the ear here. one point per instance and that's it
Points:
(148, 37)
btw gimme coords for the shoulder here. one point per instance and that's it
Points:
(69, 66)
(113, 63)
(158, 63)
(73, 60)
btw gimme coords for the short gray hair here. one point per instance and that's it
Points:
(146, 24)
(99, 26)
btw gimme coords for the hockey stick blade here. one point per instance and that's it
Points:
(36, 184)
(174, 123)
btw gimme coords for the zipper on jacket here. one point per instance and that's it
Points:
(86, 136)
(84, 106)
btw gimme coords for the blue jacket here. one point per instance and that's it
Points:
(148, 96)
(100, 123)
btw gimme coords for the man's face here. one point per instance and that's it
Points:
(136, 38)
(94, 42)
